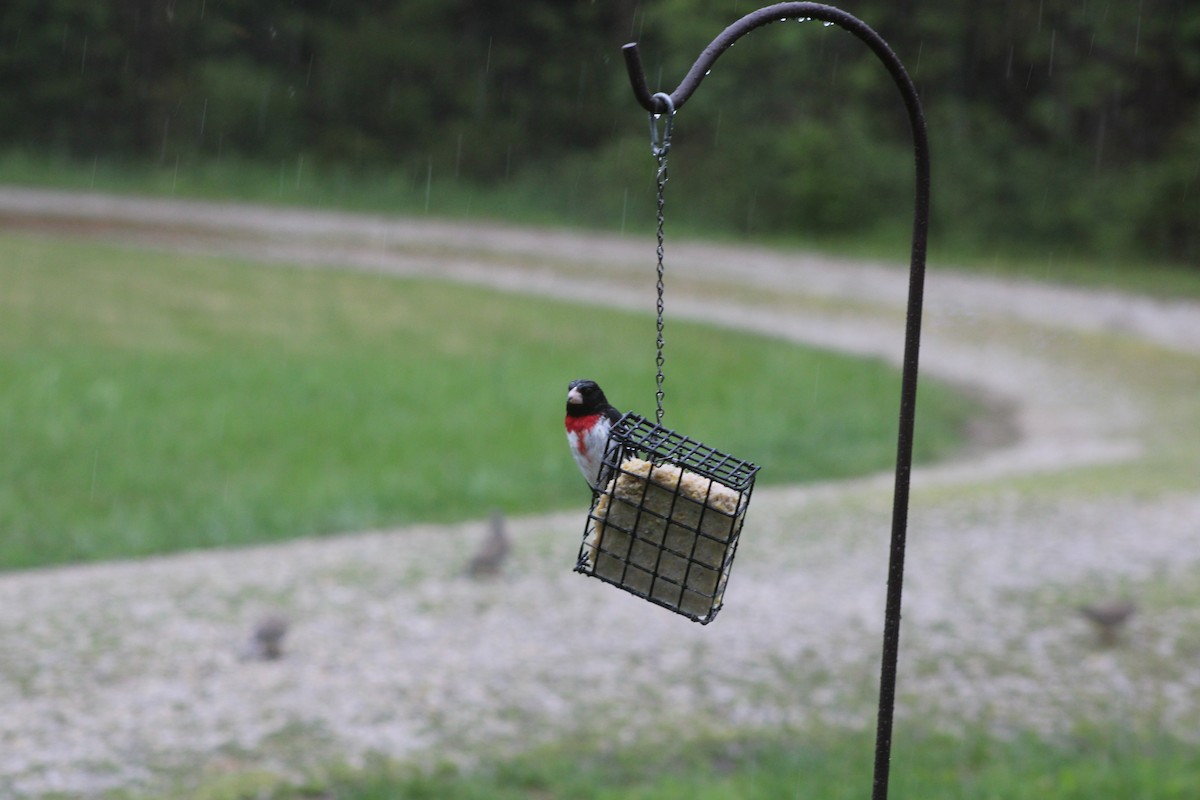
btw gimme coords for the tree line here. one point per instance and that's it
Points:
(1074, 123)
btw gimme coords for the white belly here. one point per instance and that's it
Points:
(588, 449)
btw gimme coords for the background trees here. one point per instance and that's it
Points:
(1074, 123)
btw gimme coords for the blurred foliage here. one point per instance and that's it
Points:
(1073, 124)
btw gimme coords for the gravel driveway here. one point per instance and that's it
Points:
(128, 673)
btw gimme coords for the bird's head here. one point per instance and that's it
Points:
(585, 398)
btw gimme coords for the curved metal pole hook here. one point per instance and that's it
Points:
(660, 103)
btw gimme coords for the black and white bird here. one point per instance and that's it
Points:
(590, 417)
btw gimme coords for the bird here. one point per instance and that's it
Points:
(492, 551)
(589, 419)
(266, 639)
(1108, 618)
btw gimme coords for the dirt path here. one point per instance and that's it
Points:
(124, 673)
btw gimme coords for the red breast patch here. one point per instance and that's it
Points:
(578, 428)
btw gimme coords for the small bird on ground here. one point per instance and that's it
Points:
(266, 640)
(1109, 618)
(492, 552)
(589, 419)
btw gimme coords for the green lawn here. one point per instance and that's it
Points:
(155, 402)
(829, 766)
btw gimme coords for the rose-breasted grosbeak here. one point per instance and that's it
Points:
(589, 419)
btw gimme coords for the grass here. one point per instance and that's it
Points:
(559, 196)
(297, 182)
(831, 766)
(157, 402)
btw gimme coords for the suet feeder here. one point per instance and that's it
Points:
(666, 517)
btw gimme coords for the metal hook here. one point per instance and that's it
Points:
(912, 335)
(660, 141)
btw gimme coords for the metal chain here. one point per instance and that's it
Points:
(660, 145)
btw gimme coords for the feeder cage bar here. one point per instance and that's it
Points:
(665, 522)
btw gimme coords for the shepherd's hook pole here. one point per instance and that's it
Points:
(912, 334)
